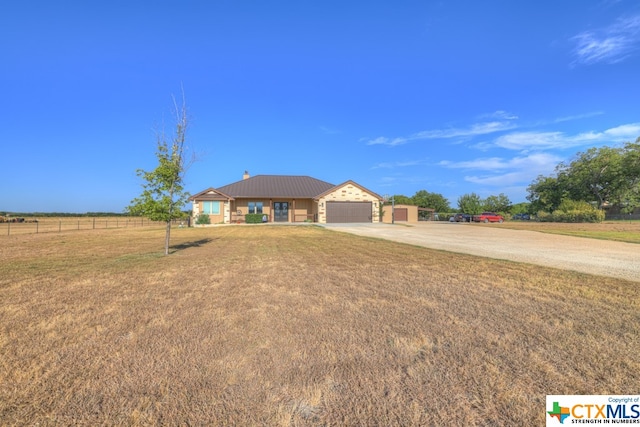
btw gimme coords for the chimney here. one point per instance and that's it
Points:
(246, 175)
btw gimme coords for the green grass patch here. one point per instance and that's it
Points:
(618, 236)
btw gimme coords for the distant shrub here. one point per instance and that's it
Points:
(568, 205)
(253, 218)
(573, 211)
(442, 216)
(594, 215)
(544, 216)
(203, 219)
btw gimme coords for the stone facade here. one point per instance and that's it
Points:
(349, 192)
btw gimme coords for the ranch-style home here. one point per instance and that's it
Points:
(285, 198)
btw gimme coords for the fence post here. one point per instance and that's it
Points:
(94, 223)
(9, 228)
(59, 225)
(78, 224)
(37, 224)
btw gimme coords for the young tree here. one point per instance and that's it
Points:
(470, 204)
(401, 199)
(521, 208)
(163, 194)
(545, 194)
(499, 203)
(435, 201)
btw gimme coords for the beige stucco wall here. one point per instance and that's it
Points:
(242, 205)
(299, 209)
(348, 193)
(223, 217)
(303, 210)
(412, 213)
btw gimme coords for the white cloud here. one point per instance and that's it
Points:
(500, 115)
(379, 140)
(625, 132)
(523, 169)
(392, 165)
(484, 164)
(529, 140)
(591, 49)
(329, 131)
(501, 172)
(609, 45)
(476, 129)
(507, 179)
(532, 161)
(473, 130)
(578, 117)
(559, 140)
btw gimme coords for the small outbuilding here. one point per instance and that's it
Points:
(400, 213)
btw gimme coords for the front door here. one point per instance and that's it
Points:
(281, 211)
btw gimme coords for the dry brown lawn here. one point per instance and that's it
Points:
(297, 326)
(59, 224)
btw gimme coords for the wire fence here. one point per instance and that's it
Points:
(630, 217)
(17, 226)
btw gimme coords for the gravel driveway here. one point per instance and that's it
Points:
(599, 257)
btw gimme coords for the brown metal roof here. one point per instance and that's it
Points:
(272, 186)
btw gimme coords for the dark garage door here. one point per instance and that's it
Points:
(401, 214)
(348, 212)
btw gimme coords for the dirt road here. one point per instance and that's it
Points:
(599, 257)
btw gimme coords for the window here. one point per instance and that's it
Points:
(211, 208)
(255, 207)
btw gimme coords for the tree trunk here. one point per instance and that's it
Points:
(166, 238)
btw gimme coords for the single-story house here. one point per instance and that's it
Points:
(285, 198)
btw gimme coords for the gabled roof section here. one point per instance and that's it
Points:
(210, 194)
(355, 184)
(274, 186)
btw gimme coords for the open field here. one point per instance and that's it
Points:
(297, 325)
(37, 225)
(621, 231)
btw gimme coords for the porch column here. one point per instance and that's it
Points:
(293, 215)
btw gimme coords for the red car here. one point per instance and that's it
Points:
(488, 217)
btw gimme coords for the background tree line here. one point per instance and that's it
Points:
(577, 191)
(470, 203)
(601, 177)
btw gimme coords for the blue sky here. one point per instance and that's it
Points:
(451, 97)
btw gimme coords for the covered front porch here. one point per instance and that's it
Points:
(275, 210)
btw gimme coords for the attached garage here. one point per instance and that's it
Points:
(348, 202)
(341, 212)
